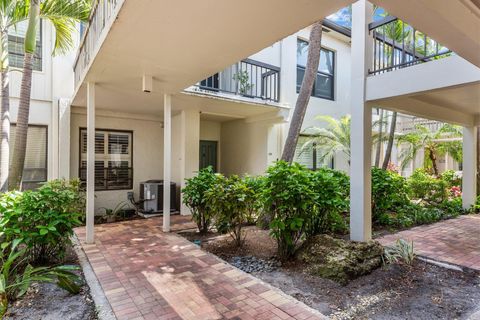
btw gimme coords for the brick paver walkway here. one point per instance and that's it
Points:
(147, 274)
(455, 241)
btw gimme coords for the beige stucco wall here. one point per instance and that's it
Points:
(147, 152)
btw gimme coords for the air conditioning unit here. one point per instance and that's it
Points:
(151, 196)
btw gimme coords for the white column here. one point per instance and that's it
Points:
(90, 162)
(64, 139)
(190, 149)
(167, 159)
(469, 181)
(361, 125)
(54, 163)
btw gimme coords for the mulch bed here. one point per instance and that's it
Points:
(46, 301)
(423, 291)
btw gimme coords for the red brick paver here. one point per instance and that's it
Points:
(147, 274)
(455, 241)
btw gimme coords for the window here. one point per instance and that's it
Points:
(309, 155)
(324, 84)
(113, 159)
(16, 36)
(35, 169)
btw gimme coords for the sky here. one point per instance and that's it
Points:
(343, 16)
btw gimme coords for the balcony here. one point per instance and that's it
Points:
(102, 16)
(397, 45)
(248, 78)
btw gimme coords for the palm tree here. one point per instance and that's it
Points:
(11, 12)
(335, 138)
(435, 143)
(63, 14)
(313, 59)
(391, 137)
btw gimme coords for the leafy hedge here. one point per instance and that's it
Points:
(43, 219)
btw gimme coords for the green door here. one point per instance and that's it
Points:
(208, 154)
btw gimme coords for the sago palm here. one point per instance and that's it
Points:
(63, 15)
(435, 143)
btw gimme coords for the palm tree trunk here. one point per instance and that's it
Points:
(379, 143)
(433, 158)
(4, 113)
(391, 137)
(20, 148)
(310, 75)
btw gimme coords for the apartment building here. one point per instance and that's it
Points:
(138, 108)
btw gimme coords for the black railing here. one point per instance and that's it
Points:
(110, 178)
(248, 78)
(398, 45)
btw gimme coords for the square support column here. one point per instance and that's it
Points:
(190, 150)
(361, 125)
(469, 180)
(167, 159)
(90, 210)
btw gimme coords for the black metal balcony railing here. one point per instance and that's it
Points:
(109, 178)
(248, 78)
(398, 45)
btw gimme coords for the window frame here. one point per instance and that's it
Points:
(321, 73)
(38, 46)
(130, 168)
(38, 182)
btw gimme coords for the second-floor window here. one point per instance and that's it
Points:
(324, 83)
(16, 39)
(113, 159)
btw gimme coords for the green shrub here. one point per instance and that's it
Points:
(233, 201)
(194, 197)
(451, 179)
(16, 276)
(331, 189)
(44, 219)
(389, 192)
(427, 187)
(289, 199)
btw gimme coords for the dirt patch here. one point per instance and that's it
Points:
(46, 301)
(423, 291)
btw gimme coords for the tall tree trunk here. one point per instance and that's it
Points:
(379, 143)
(433, 158)
(301, 105)
(391, 137)
(4, 113)
(20, 148)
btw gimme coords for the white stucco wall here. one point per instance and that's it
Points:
(147, 151)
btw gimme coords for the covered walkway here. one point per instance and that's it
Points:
(455, 241)
(148, 274)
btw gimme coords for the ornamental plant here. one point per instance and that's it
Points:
(289, 199)
(427, 187)
(195, 197)
(44, 219)
(16, 276)
(389, 192)
(232, 200)
(332, 190)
